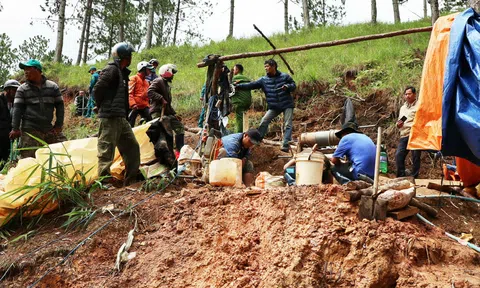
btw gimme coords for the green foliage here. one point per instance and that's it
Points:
(454, 5)
(8, 57)
(35, 48)
(315, 64)
(321, 12)
(79, 216)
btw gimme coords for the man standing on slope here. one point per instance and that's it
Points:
(137, 93)
(277, 87)
(6, 105)
(404, 124)
(91, 99)
(111, 96)
(36, 102)
(161, 100)
(241, 100)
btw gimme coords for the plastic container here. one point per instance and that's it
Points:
(308, 167)
(383, 160)
(226, 172)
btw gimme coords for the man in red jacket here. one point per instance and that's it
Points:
(137, 93)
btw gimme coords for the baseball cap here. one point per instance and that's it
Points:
(31, 63)
(254, 136)
(92, 68)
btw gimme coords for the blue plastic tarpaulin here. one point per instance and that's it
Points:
(461, 89)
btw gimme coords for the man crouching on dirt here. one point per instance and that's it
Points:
(360, 152)
(238, 146)
(35, 102)
(161, 104)
(111, 96)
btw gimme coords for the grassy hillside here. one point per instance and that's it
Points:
(386, 64)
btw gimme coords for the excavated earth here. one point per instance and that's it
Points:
(192, 236)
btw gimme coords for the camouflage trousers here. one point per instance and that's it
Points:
(31, 145)
(116, 132)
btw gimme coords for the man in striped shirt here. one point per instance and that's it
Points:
(35, 104)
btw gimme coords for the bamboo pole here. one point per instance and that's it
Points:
(320, 44)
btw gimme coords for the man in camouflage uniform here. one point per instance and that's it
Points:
(35, 103)
(111, 96)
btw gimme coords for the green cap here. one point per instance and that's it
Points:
(92, 68)
(31, 63)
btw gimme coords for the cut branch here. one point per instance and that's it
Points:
(321, 44)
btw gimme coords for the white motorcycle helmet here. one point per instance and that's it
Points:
(143, 65)
(167, 71)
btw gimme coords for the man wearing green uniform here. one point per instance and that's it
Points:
(111, 96)
(242, 99)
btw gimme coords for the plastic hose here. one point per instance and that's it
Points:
(461, 241)
(449, 196)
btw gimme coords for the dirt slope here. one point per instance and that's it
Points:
(289, 237)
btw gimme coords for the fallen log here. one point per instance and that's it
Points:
(425, 207)
(444, 188)
(319, 45)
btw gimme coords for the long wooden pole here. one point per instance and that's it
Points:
(320, 45)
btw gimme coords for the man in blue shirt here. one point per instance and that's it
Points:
(238, 146)
(91, 101)
(359, 150)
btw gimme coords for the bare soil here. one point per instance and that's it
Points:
(194, 236)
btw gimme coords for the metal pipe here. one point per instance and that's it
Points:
(321, 138)
(461, 241)
(449, 196)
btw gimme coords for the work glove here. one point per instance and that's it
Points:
(14, 134)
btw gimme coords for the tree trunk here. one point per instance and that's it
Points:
(475, 4)
(121, 30)
(435, 10)
(425, 9)
(177, 19)
(306, 16)
(82, 37)
(60, 30)
(150, 25)
(110, 43)
(285, 15)
(374, 11)
(161, 26)
(396, 11)
(232, 13)
(324, 13)
(87, 31)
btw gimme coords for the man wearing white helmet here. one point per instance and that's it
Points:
(111, 96)
(137, 93)
(6, 105)
(153, 75)
(161, 102)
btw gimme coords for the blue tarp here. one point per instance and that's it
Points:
(461, 89)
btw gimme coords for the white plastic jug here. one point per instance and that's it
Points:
(308, 167)
(226, 172)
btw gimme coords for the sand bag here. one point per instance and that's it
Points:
(397, 198)
(266, 180)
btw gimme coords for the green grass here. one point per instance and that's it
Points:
(387, 56)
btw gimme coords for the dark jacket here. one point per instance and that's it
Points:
(277, 99)
(34, 106)
(158, 90)
(5, 117)
(111, 92)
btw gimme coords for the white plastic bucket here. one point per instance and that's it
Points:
(226, 172)
(308, 171)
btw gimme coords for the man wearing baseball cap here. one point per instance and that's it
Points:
(91, 99)
(36, 101)
(239, 146)
(6, 104)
